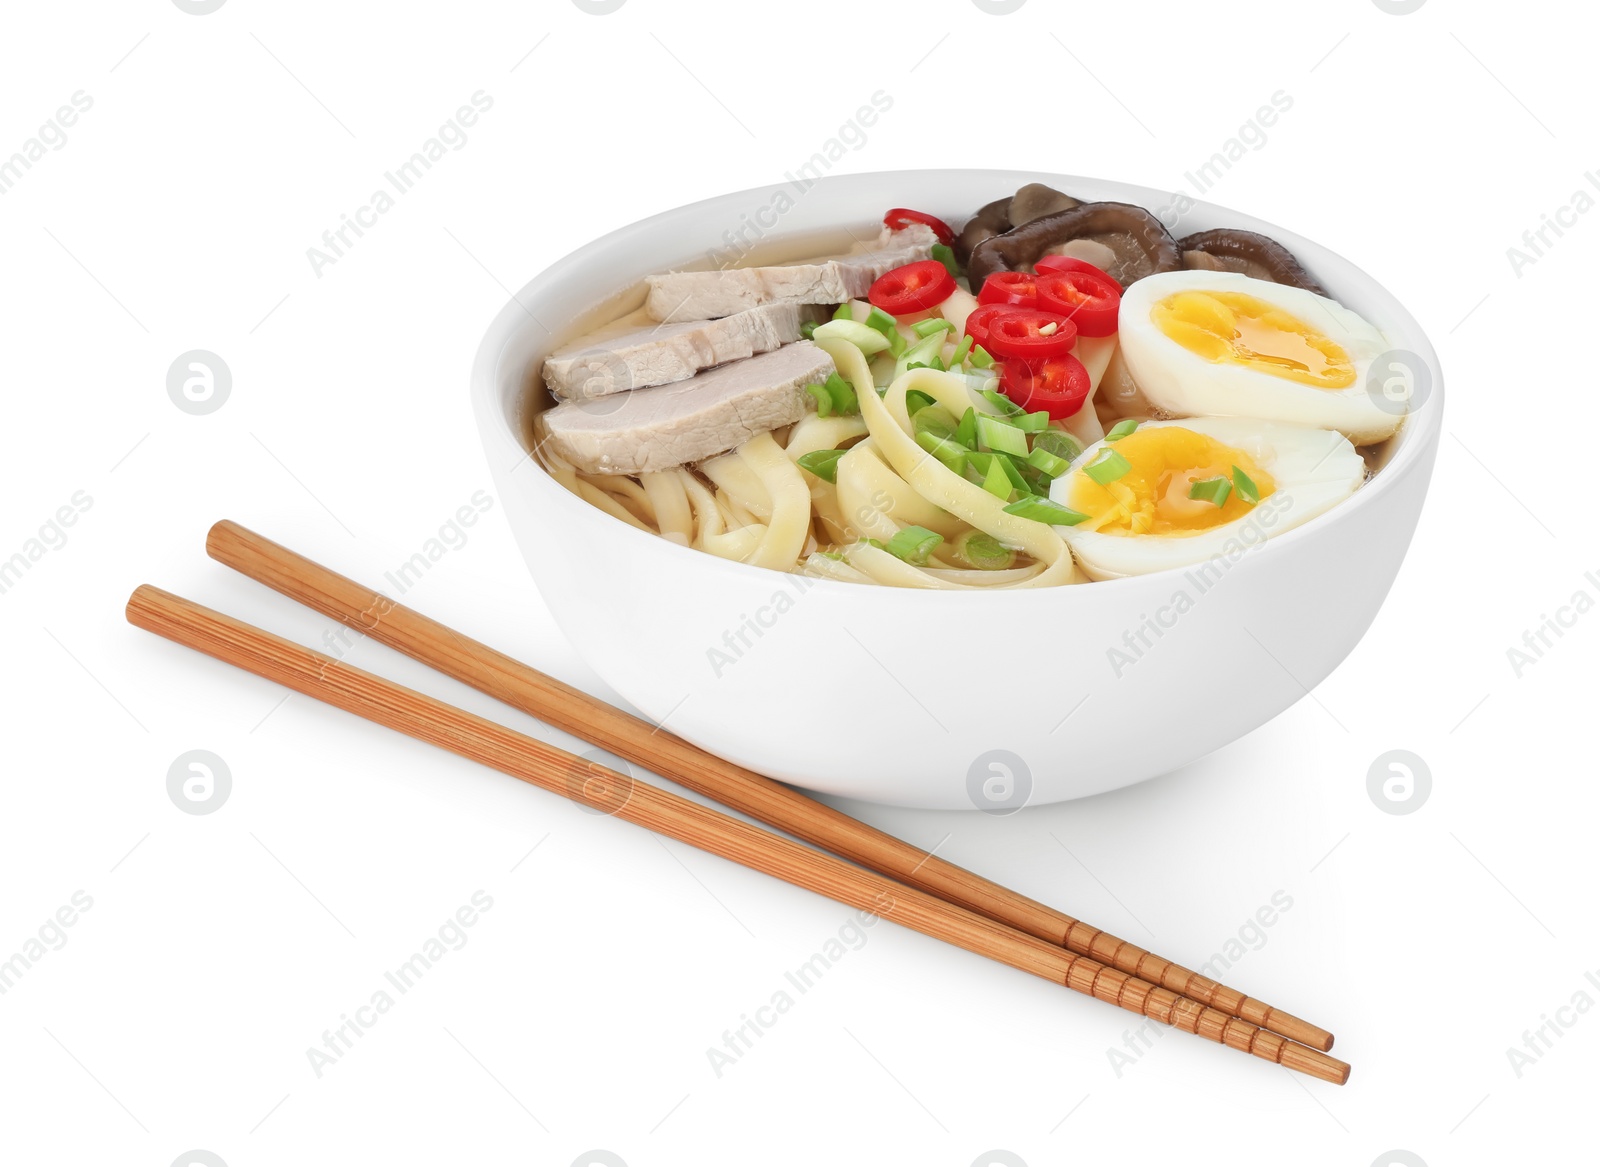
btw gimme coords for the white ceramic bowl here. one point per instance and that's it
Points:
(919, 698)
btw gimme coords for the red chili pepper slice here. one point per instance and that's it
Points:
(1027, 334)
(1059, 385)
(1047, 263)
(913, 288)
(1090, 299)
(901, 217)
(978, 321)
(1008, 287)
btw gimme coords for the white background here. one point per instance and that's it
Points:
(219, 947)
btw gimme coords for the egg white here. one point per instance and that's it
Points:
(1182, 382)
(1312, 470)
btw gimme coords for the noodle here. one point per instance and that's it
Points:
(980, 577)
(814, 433)
(580, 485)
(889, 423)
(890, 494)
(790, 523)
(739, 544)
(671, 506)
(629, 493)
(888, 569)
(825, 503)
(827, 567)
(708, 518)
(862, 511)
(738, 515)
(739, 482)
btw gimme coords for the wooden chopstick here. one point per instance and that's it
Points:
(559, 772)
(583, 716)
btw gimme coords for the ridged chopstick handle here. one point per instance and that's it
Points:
(560, 772)
(1146, 965)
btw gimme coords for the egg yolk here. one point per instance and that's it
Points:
(1152, 498)
(1238, 329)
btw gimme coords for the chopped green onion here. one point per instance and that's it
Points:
(996, 481)
(931, 363)
(844, 312)
(923, 352)
(879, 320)
(1000, 401)
(844, 397)
(947, 257)
(1018, 471)
(1043, 459)
(962, 349)
(1212, 490)
(823, 463)
(1107, 467)
(1042, 510)
(934, 419)
(1038, 481)
(824, 398)
(967, 429)
(1058, 442)
(932, 325)
(914, 544)
(981, 359)
(1032, 423)
(995, 434)
(878, 543)
(985, 461)
(806, 329)
(1245, 486)
(984, 551)
(1122, 429)
(953, 456)
(916, 401)
(869, 340)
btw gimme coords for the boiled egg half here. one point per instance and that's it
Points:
(1173, 494)
(1221, 344)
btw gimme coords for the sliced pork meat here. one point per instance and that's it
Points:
(670, 425)
(701, 295)
(619, 358)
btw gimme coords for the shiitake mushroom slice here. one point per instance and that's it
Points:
(991, 220)
(1036, 200)
(1141, 244)
(1248, 253)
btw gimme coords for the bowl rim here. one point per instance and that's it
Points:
(1419, 432)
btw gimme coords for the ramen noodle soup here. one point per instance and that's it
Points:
(1060, 392)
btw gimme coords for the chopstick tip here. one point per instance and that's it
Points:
(1295, 1029)
(220, 530)
(1316, 1064)
(140, 601)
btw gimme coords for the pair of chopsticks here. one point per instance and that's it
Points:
(867, 869)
